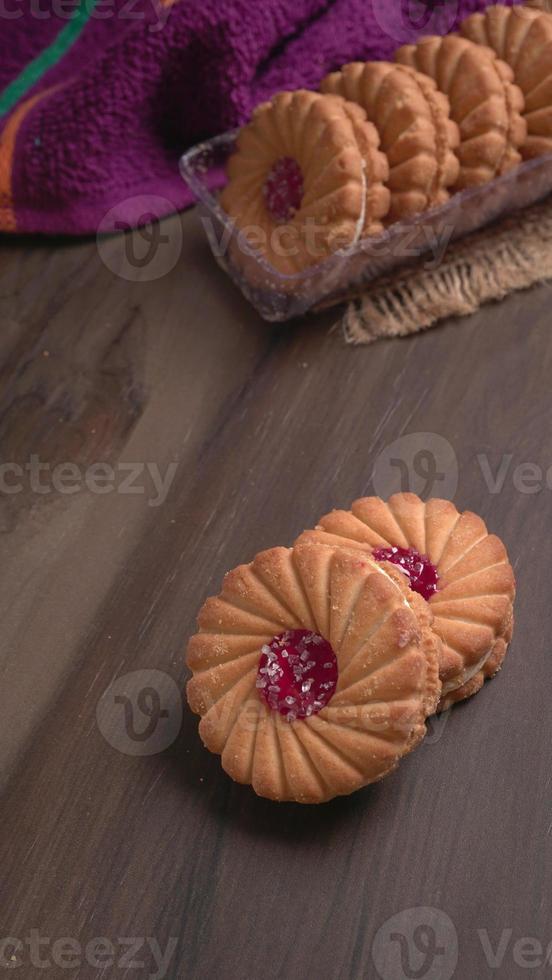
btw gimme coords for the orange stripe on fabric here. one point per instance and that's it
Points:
(8, 138)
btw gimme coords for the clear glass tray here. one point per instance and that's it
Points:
(279, 297)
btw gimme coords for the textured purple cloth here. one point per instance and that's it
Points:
(141, 83)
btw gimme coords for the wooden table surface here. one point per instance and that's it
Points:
(225, 436)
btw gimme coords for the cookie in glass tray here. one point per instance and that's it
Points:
(313, 672)
(483, 101)
(306, 179)
(451, 560)
(522, 37)
(416, 131)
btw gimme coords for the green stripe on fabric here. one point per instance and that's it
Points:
(47, 58)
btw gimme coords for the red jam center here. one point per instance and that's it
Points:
(422, 574)
(297, 673)
(283, 189)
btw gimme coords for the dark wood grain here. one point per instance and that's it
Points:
(269, 428)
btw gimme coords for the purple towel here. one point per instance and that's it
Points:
(98, 98)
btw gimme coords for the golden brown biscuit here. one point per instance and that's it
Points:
(312, 672)
(523, 39)
(306, 179)
(453, 562)
(417, 134)
(483, 101)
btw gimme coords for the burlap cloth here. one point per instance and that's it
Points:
(510, 255)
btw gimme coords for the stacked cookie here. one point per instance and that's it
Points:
(417, 134)
(307, 179)
(522, 37)
(317, 172)
(483, 100)
(316, 667)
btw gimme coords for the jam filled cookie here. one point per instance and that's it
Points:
(449, 559)
(483, 101)
(312, 672)
(307, 179)
(523, 39)
(417, 134)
